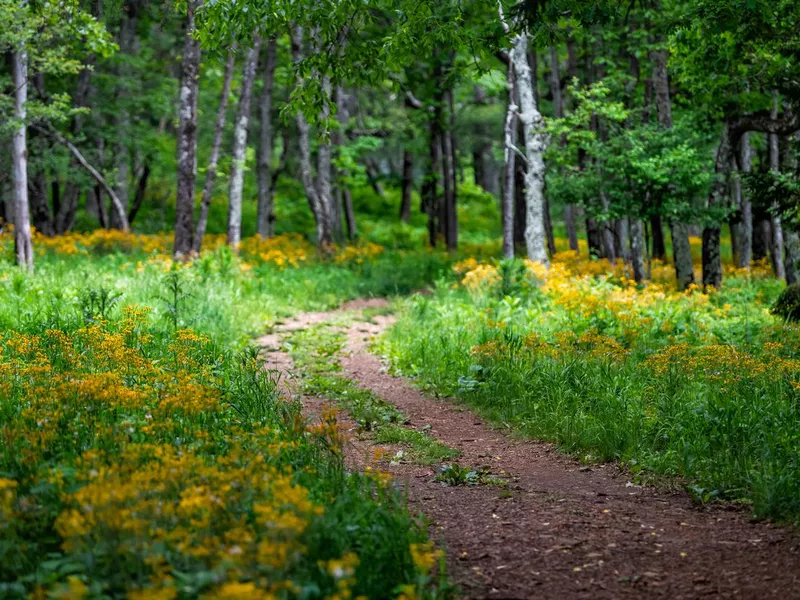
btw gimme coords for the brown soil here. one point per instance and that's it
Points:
(561, 529)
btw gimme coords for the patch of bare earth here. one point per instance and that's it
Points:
(562, 530)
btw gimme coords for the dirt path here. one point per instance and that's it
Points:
(562, 530)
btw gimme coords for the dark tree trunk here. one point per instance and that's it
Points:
(776, 248)
(187, 138)
(451, 184)
(520, 216)
(407, 185)
(712, 263)
(745, 230)
(594, 238)
(659, 250)
(141, 190)
(211, 170)
(430, 191)
(638, 249)
(266, 213)
(762, 233)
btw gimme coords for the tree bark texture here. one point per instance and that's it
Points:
(211, 169)
(240, 147)
(509, 166)
(407, 185)
(712, 262)
(23, 243)
(744, 236)
(776, 249)
(535, 235)
(681, 250)
(266, 213)
(638, 250)
(187, 137)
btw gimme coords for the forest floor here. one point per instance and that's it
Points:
(519, 519)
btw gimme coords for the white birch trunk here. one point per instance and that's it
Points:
(240, 148)
(19, 159)
(509, 156)
(535, 145)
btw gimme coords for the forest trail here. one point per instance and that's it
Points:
(555, 528)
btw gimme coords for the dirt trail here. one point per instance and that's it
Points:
(564, 530)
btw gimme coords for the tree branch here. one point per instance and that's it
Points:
(115, 201)
(764, 122)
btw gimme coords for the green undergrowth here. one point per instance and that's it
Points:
(314, 351)
(691, 387)
(143, 459)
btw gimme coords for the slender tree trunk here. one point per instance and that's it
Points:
(558, 113)
(304, 143)
(594, 238)
(187, 137)
(211, 170)
(607, 230)
(638, 250)
(681, 250)
(430, 188)
(240, 147)
(139, 194)
(266, 214)
(23, 243)
(745, 234)
(792, 237)
(659, 250)
(535, 235)
(509, 168)
(345, 200)
(324, 189)
(776, 251)
(407, 185)
(127, 45)
(621, 239)
(712, 263)
(450, 183)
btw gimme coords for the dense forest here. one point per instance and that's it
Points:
(411, 299)
(628, 122)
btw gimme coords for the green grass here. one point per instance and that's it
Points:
(699, 388)
(315, 352)
(96, 410)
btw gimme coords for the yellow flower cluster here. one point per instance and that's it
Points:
(151, 477)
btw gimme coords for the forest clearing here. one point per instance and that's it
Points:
(408, 299)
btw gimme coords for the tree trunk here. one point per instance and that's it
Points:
(621, 239)
(509, 168)
(266, 213)
(324, 190)
(535, 235)
(345, 199)
(127, 45)
(37, 198)
(240, 147)
(558, 113)
(745, 229)
(607, 230)
(776, 250)
(407, 185)
(712, 263)
(139, 194)
(23, 243)
(211, 170)
(304, 143)
(659, 250)
(187, 138)
(450, 182)
(681, 250)
(594, 238)
(430, 187)
(638, 249)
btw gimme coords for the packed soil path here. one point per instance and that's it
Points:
(561, 529)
